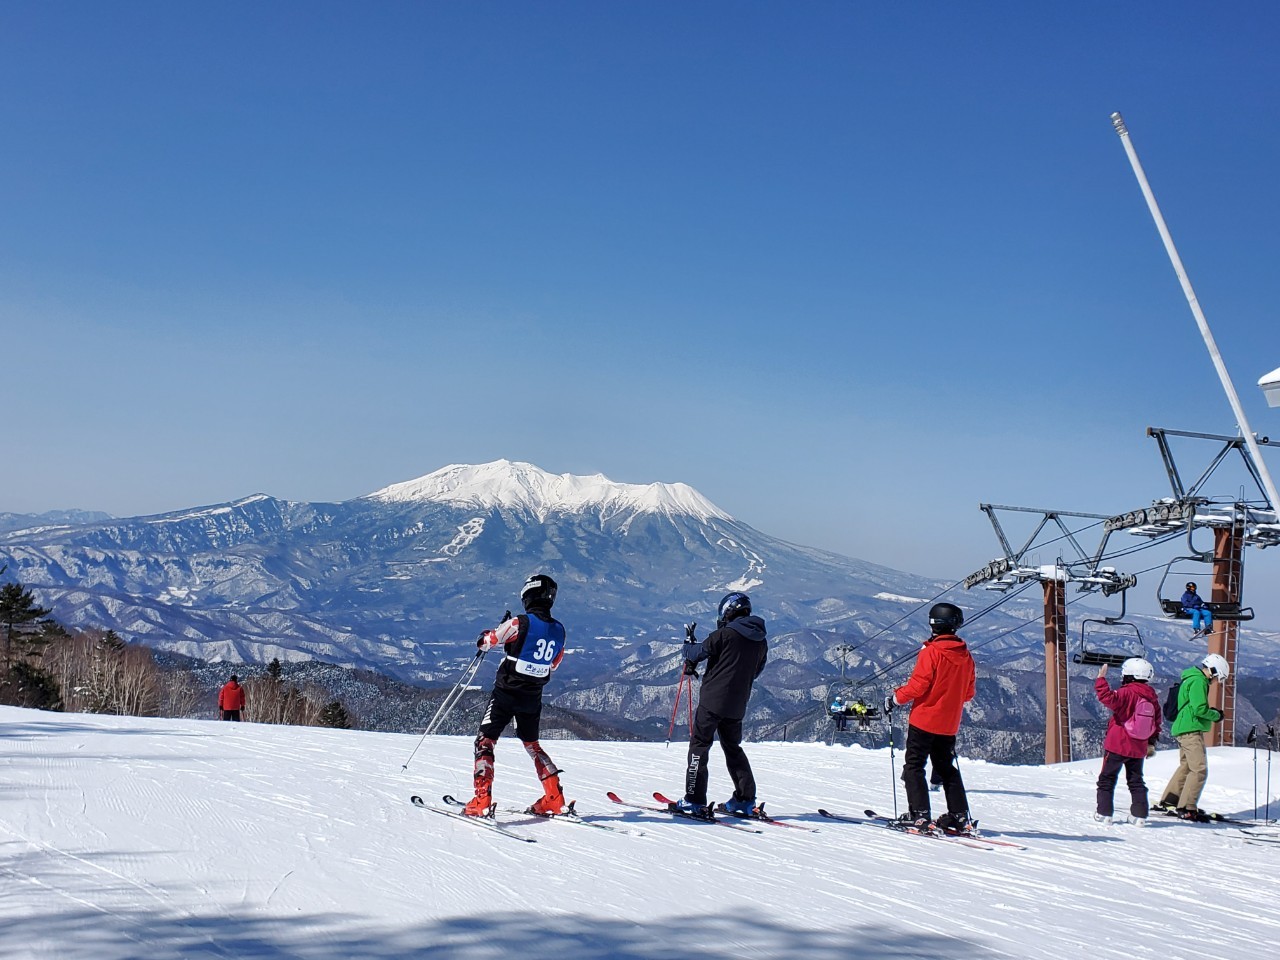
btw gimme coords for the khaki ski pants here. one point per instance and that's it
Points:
(1193, 769)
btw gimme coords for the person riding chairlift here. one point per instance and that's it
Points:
(1201, 615)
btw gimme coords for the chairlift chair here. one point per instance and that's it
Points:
(1181, 570)
(1109, 640)
(848, 712)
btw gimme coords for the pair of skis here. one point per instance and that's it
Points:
(490, 821)
(972, 840)
(1212, 817)
(726, 819)
(1261, 835)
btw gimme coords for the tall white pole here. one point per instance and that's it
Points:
(1241, 420)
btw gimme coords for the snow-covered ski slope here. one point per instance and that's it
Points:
(122, 837)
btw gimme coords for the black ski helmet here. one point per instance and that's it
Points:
(538, 591)
(733, 606)
(1191, 586)
(945, 618)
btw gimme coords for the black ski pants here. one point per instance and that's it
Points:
(940, 751)
(705, 727)
(526, 708)
(1111, 764)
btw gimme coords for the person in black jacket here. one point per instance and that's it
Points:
(533, 644)
(735, 654)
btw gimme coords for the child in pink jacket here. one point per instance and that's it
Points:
(1132, 733)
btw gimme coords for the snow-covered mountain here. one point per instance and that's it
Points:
(396, 578)
(524, 488)
(181, 839)
(401, 580)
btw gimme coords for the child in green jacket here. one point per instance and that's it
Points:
(1195, 718)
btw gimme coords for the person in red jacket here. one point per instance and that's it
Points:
(942, 682)
(1131, 736)
(231, 699)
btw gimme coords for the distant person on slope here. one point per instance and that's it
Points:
(1195, 718)
(533, 644)
(735, 653)
(1131, 736)
(1201, 615)
(942, 682)
(231, 699)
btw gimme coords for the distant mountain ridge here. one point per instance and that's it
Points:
(22, 521)
(399, 578)
(402, 579)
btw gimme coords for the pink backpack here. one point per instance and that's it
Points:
(1143, 723)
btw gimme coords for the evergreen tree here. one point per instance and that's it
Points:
(335, 715)
(26, 685)
(17, 606)
(274, 669)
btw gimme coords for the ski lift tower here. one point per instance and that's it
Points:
(1014, 568)
(1228, 538)
(1235, 524)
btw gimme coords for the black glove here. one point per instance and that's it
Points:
(480, 639)
(889, 704)
(1217, 718)
(690, 668)
(689, 636)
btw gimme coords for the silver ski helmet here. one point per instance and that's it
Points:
(945, 618)
(733, 606)
(538, 591)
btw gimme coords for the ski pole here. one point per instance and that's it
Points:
(955, 762)
(1271, 736)
(690, 639)
(675, 707)
(454, 696)
(448, 703)
(893, 768)
(1252, 739)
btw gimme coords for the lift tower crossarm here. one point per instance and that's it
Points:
(1228, 444)
(1011, 567)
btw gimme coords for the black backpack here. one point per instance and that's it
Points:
(1171, 702)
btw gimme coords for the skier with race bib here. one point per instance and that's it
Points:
(533, 646)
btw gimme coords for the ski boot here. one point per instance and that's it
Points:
(955, 823)
(740, 808)
(917, 820)
(551, 803)
(481, 805)
(696, 811)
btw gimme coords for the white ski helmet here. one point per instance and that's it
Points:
(1137, 668)
(1217, 666)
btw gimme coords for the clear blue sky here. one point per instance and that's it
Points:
(847, 268)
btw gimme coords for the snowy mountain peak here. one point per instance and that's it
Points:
(522, 486)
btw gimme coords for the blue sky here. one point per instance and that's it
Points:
(849, 269)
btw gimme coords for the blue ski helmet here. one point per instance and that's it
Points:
(733, 606)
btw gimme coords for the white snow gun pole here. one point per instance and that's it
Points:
(1242, 421)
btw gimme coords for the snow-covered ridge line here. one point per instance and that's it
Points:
(523, 486)
(220, 509)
